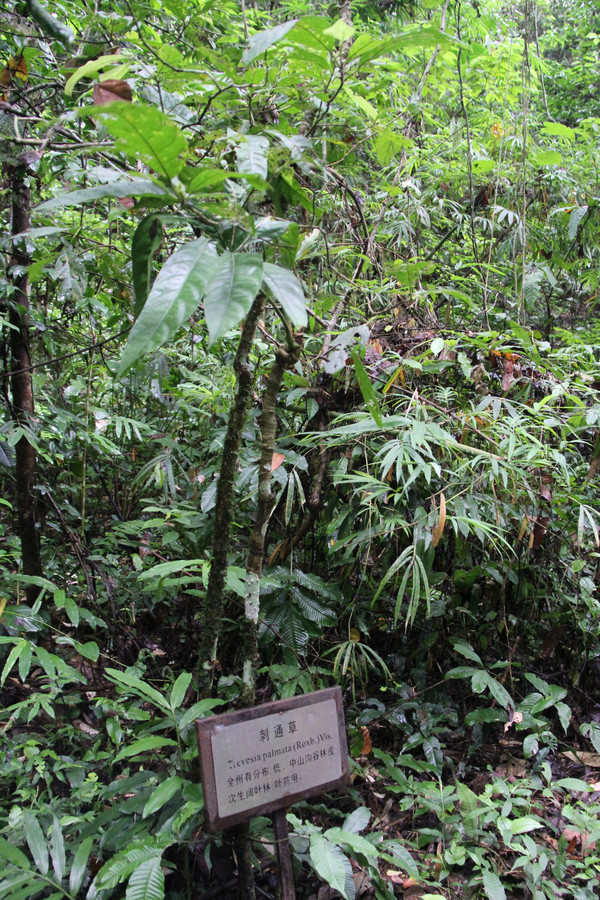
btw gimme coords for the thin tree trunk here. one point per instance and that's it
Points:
(21, 381)
(211, 608)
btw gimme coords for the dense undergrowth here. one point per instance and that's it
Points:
(429, 176)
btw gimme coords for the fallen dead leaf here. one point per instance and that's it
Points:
(587, 759)
(278, 458)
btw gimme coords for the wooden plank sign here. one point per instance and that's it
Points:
(262, 759)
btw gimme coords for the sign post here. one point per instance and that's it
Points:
(264, 759)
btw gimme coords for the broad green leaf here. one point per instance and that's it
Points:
(36, 842)
(260, 42)
(12, 658)
(179, 689)
(136, 187)
(89, 650)
(287, 290)
(340, 30)
(547, 158)
(79, 864)
(386, 146)
(499, 693)
(25, 658)
(330, 863)
(147, 239)
(147, 882)
(13, 855)
(466, 650)
(125, 679)
(198, 711)
(124, 863)
(252, 155)
(524, 824)
(57, 849)
(162, 794)
(398, 855)
(145, 133)
(90, 68)
(481, 166)
(366, 388)
(168, 568)
(356, 842)
(357, 820)
(558, 130)
(235, 282)
(572, 784)
(362, 103)
(493, 886)
(176, 293)
(143, 745)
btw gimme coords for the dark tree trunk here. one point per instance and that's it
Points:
(21, 382)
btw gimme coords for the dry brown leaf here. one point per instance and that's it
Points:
(110, 90)
(438, 529)
(277, 460)
(587, 759)
(367, 743)
(516, 717)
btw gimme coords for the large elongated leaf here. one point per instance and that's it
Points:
(79, 866)
(287, 290)
(125, 679)
(147, 239)
(36, 841)
(252, 155)
(147, 134)
(143, 745)
(90, 68)
(175, 295)
(260, 42)
(147, 882)
(330, 862)
(135, 187)
(234, 284)
(162, 794)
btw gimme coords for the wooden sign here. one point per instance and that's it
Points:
(262, 759)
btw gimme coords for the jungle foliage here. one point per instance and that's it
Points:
(300, 386)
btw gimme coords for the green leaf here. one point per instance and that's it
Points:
(198, 711)
(179, 689)
(558, 130)
(12, 658)
(362, 104)
(136, 187)
(145, 133)
(499, 693)
(235, 282)
(123, 864)
(252, 155)
(259, 43)
(366, 388)
(355, 842)
(330, 863)
(140, 687)
(357, 820)
(340, 30)
(90, 68)
(147, 239)
(143, 745)
(524, 824)
(13, 855)
(162, 794)
(465, 650)
(36, 842)
(175, 295)
(79, 864)
(168, 568)
(147, 882)
(547, 158)
(398, 855)
(493, 886)
(57, 849)
(572, 784)
(387, 145)
(287, 290)
(90, 650)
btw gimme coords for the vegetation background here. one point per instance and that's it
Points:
(300, 386)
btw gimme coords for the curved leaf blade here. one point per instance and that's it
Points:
(260, 42)
(135, 187)
(147, 882)
(36, 842)
(330, 863)
(235, 283)
(145, 133)
(288, 292)
(175, 295)
(79, 866)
